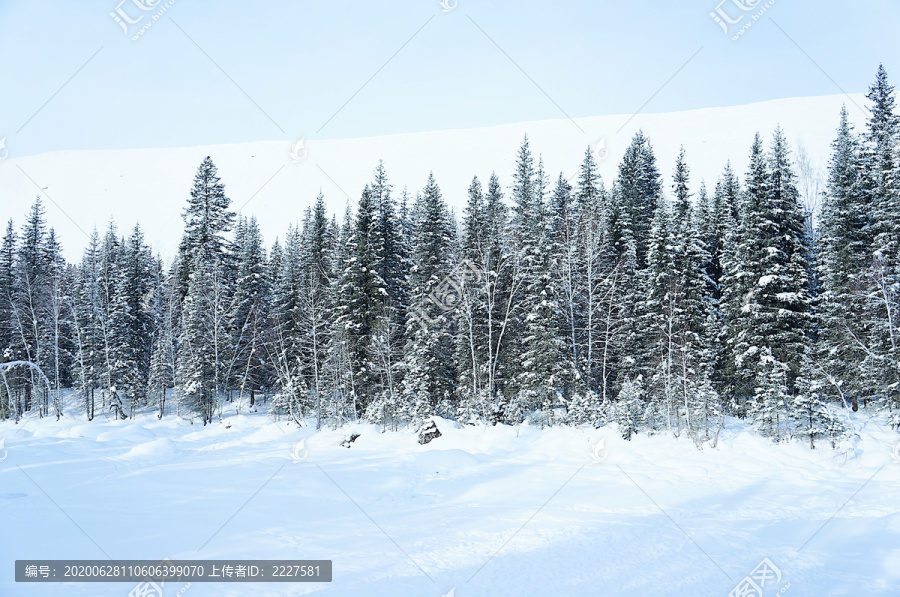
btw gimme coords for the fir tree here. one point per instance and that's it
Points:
(429, 363)
(207, 218)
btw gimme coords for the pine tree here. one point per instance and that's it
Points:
(8, 272)
(207, 218)
(361, 294)
(250, 316)
(429, 355)
(164, 312)
(542, 370)
(881, 167)
(533, 366)
(389, 250)
(471, 337)
(131, 321)
(488, 301)
(660, 314)
(843, 269)
(691, 256)
(110, 265)
(286, 348)
(565, 272)
(317, 299)
(640, 185)
(584, 256)
(31, 287)
(88, 325)
(719, 228)
(196, 365)
(769, 310)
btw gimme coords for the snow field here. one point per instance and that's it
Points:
(485, 510)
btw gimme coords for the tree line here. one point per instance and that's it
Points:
(552, 301)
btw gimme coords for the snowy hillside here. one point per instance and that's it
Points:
(151, 185)
(651, 517)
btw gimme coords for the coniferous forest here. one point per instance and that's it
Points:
(545, 300)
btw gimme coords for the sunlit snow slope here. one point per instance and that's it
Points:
(151, 185)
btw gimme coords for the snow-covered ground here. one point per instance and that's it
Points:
(485, 511)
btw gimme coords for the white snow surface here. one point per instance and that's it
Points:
(484, 511)
(86, 188)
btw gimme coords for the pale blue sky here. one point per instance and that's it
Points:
(300, 62)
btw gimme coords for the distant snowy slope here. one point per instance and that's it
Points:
(151, 185)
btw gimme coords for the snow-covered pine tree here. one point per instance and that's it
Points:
(391, 255)
(691, 256)
(7, 282)
(640, 185)
(720, 216)
(534, 368)
(110, 265)
(844, 265)
(769, 279)
(9, 344)
(59, 315)
(881, 180)
(361, 293)
(317, 300)
(250, 316)
(584, 269)
(660, 312)
(89, 360)
(207, 218)
(638, 192)
(390, 252)
(487, 310)
(196, 379)
(429, 356)
(32, 298)
(622, 352)
(131, 322)
(471, 315)
(599, 311)
(543, 370)
(880, 168)
(285, 351)
(563, 268)
(165, 307)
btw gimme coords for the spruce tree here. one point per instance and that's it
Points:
(429, 356)
(250, 316)
(131, 322)
(844, 266)
(207, 218)
(196, 365)
(770, 306)
(361, 294)
(881, 166)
